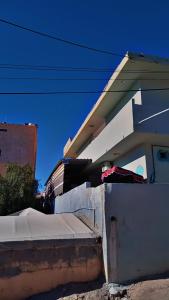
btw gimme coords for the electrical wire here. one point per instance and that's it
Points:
(82, 92)
(80, 79)
(45, 67)
(77, 69)
(72, 43)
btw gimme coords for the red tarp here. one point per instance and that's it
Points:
(117, 174)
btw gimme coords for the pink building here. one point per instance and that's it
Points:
(18, 144)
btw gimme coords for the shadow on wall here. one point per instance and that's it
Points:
(70, 289)
(33, 267)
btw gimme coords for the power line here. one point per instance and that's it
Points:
(55, 69)
(60, 39)
(82, 92)
(79, 79)
(45, 67)
(77, 69)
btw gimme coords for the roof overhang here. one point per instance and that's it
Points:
(133, 67)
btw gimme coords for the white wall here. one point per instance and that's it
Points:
(134, 161)
(141, 112)
(85, 202)
(136, 96)
(136, 244)
(116, 130)
(153, 114)
(140, 233)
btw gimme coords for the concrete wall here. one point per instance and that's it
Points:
(153, 114)
(28, 268)
(132, 95)
(139, 112)
(117, 129)
(17, 145)
(145, 160)
(133, 221)
(135, 241)
(139, 118)
(135, 161)
(85, 202)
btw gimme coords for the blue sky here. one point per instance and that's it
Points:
(117, 26)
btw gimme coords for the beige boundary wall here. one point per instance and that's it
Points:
(31, 267)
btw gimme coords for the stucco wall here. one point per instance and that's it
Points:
(136, 96)
(142, 112)
(116, 130)
(136, 242)
(84, 201)
(28, 268)
(133, 220)
(134, 161)
(152, 115)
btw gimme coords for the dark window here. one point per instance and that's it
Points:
(163, 155)
(2, 129)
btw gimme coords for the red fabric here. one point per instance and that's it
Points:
(122, 172)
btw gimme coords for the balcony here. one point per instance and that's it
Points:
(117, 129)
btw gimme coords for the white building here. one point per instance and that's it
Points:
(129, 124)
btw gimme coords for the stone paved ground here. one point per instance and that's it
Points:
(145, 290)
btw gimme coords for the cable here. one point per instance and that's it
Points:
(78, 79)
(26, 66)
(81, 92)
(77, 69)
(59, 39)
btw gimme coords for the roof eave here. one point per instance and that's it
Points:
(98, 103)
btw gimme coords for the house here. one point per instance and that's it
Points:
(18, 145)
(128, 127)
(129, 124)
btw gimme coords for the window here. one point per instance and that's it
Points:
(163, 155)
(3, 129)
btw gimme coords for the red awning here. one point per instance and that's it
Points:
(117, 174)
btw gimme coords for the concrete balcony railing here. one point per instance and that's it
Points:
(151, 118)
(116, 130)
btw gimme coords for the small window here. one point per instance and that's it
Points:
(163, 155)
(3, 129)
